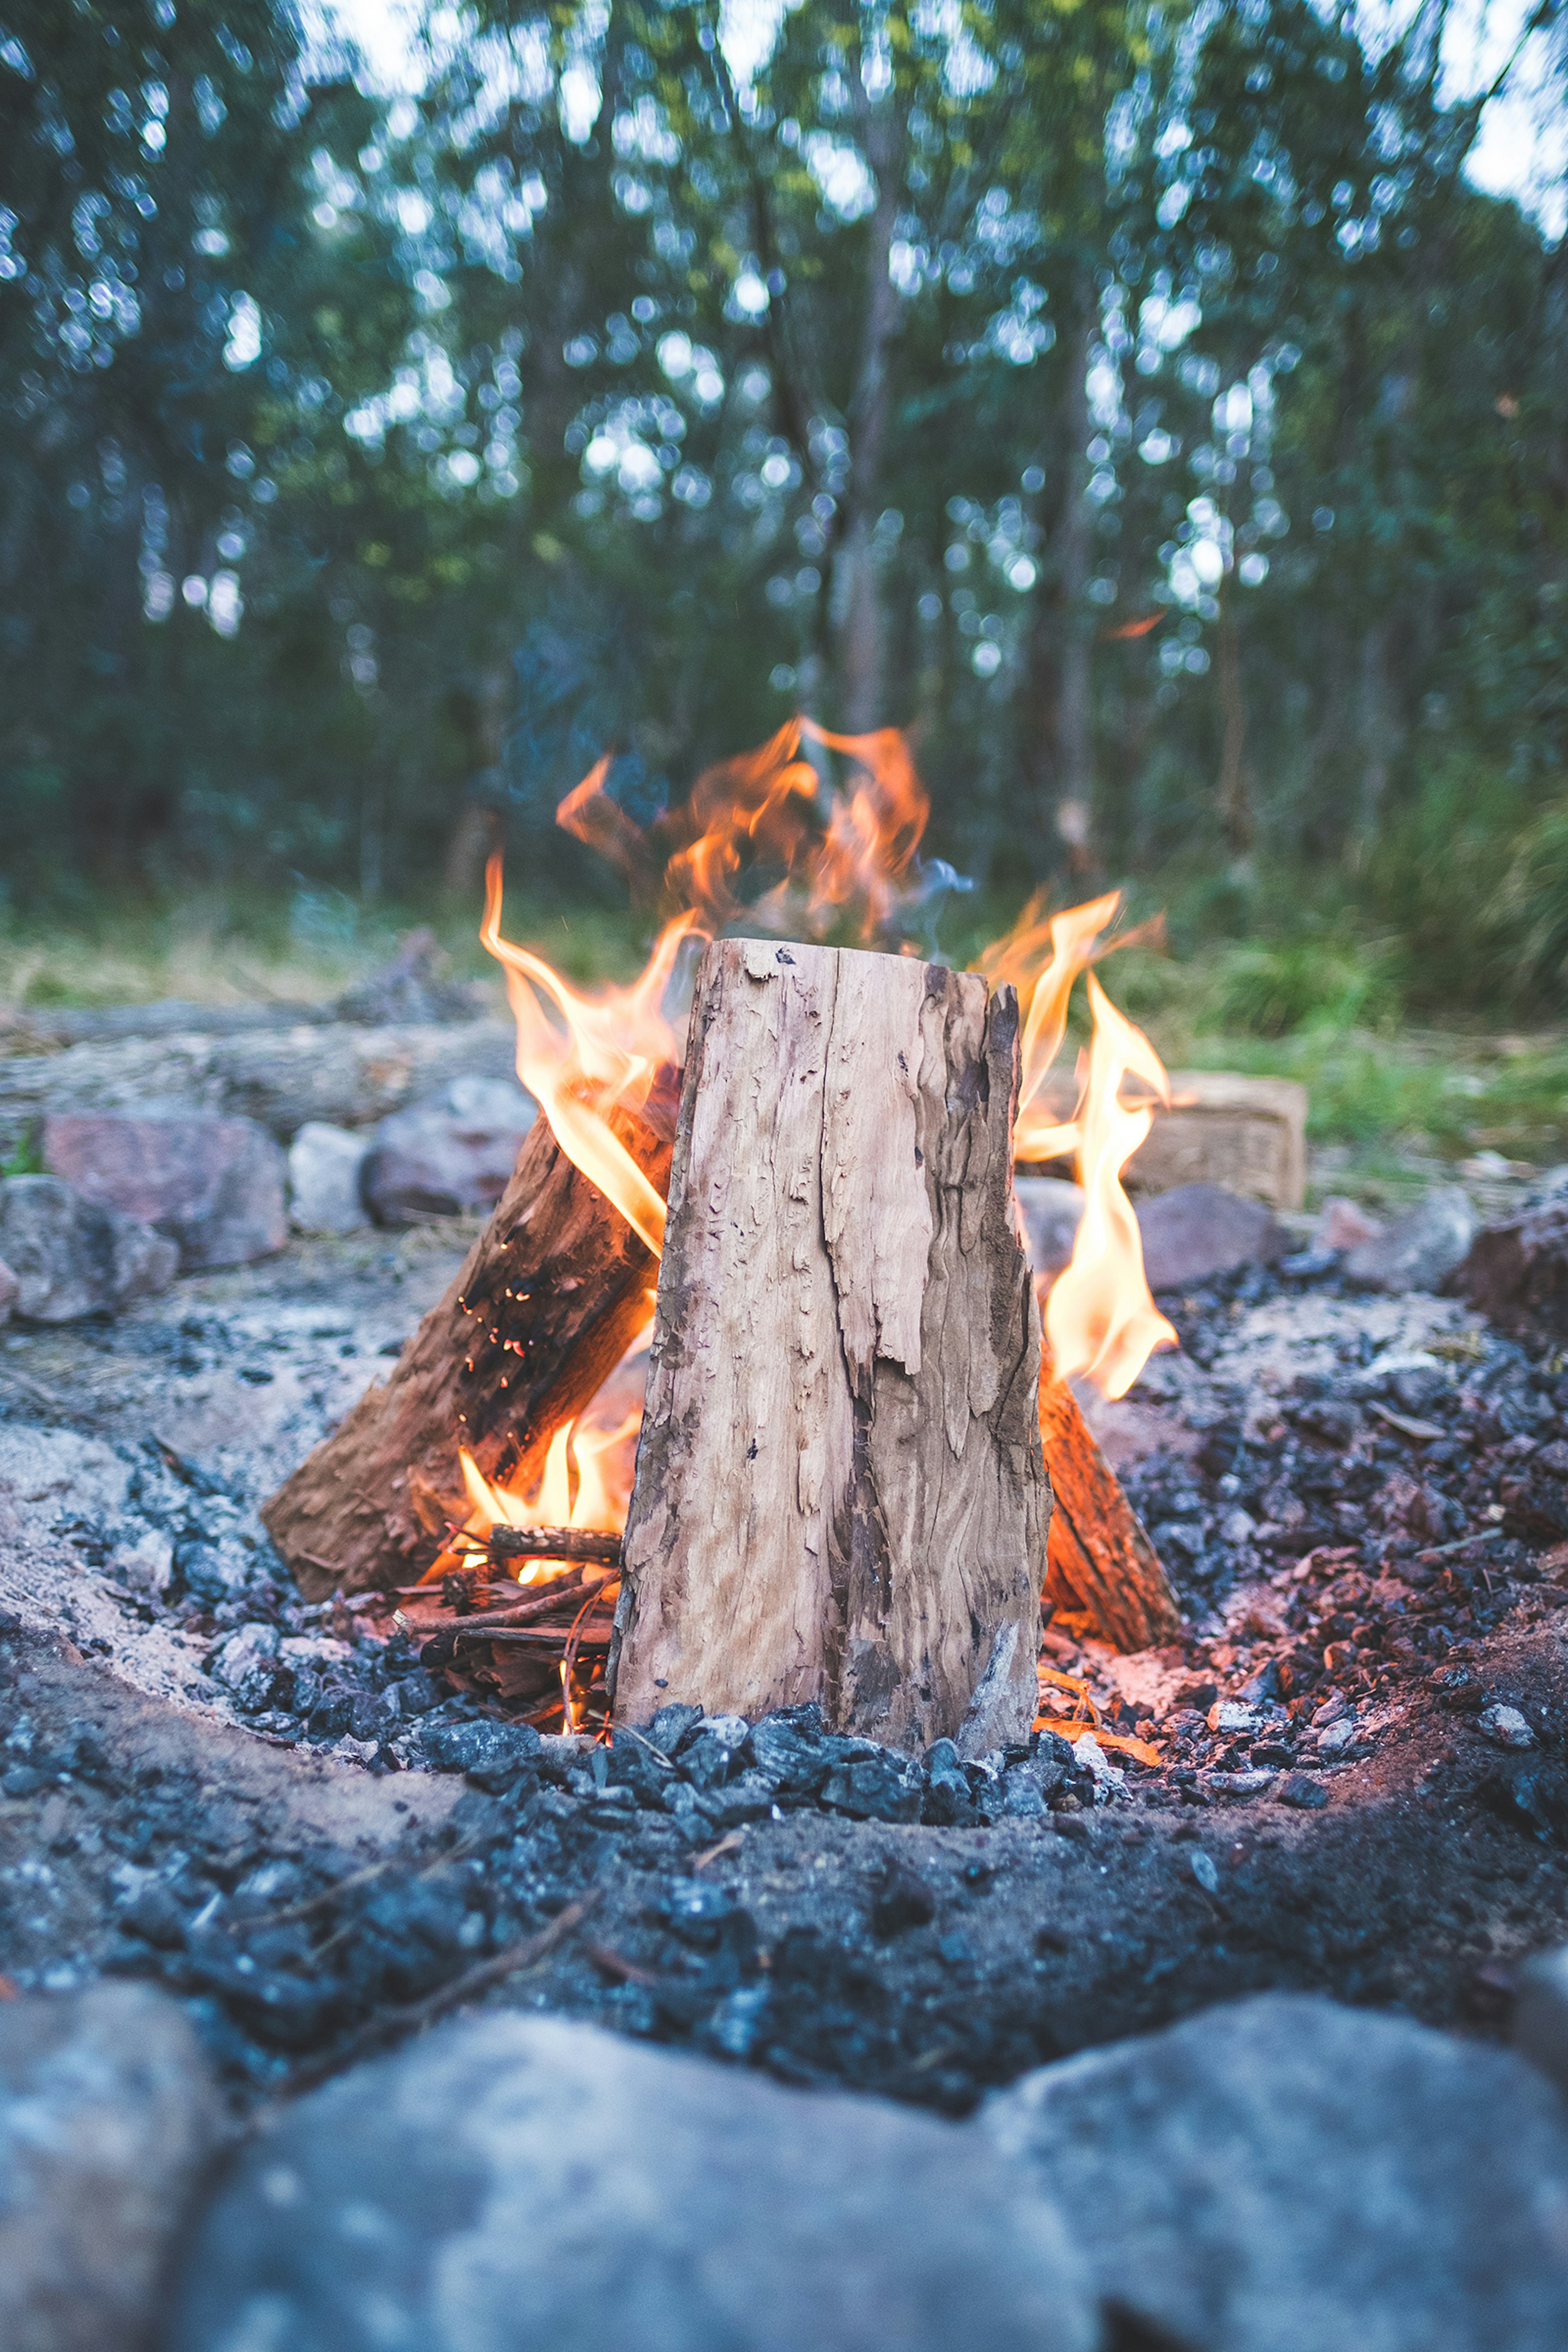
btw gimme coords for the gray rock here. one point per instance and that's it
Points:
(10, 1291)
(325, 1167)
(1505, 1727)
(212, 1186)
(1199, 1231)
(1540, 2014)
(1052, 1210)
(70, 1258)
(449, 1155)
(1420, 1250)
(1282, 2172)
(108, 2122)
(513, 2182)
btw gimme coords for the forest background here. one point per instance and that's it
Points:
(1141, 403)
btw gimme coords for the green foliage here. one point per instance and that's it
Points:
(1528, 913)
(28, 1160)
(1332, 984)
(368, 470)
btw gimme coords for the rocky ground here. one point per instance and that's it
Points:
(279, 1813)
(1170, 2006)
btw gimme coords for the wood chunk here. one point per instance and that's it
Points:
(840, 1493)
(550, 1298)
(1247, 1134)
(1102, 1563)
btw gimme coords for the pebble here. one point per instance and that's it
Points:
(1505, 1727)
(1300, 1788)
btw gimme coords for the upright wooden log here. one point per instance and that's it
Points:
(1102, 1564)
(840, 1493)
(550, 1298)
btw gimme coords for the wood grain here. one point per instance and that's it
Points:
(840, 1493)
(1102, 1563)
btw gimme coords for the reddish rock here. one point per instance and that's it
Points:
(212, 1186)
(1518, 1272)
(452, 1157)
(1201, 1231)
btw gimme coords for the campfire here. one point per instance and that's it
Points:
(725, 1403)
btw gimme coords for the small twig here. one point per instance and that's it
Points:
(616, 1964)
(546, 1636)
(727, 1844)
(393, 2024)
(554, 1543)
(1443, 1551)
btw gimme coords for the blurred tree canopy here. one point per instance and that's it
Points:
(1139, 400)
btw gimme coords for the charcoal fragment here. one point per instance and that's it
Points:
(1300, 1788)
(493, 1755)
(877, 1787)
(903, 1900)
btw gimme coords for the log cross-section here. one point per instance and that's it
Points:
(840, 1492)
(548, 1300)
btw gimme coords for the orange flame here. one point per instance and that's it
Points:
(1099, 1318)
(582, 1485)
(848, 854)
(610, 1052)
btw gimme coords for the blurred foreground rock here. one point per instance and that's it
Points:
(513, 2180)
(1198, 1232)
(1190, 1234)
(70, 1257)
(1283, 2172)
(1052, 1211)
(212, 1186)
(107, 2123)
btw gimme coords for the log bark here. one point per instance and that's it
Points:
(548, 1300)
(840, 1495)
(1102, 1565)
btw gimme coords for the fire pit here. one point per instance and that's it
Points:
(1274, 1703)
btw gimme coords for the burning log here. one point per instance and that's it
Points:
(550, 1298)
(840, 1493)
(1101, 1563)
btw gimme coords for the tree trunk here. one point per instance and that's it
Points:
(548, 1299)
(1058, 730)
(863, 648)
(840, 1493)
(1235, 797)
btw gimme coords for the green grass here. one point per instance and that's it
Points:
(212, 948)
